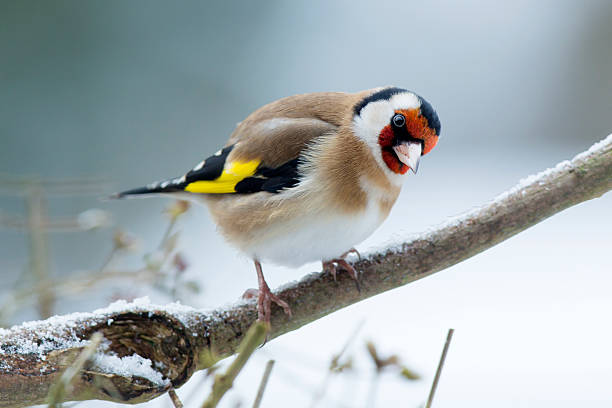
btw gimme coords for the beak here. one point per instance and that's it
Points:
(409, 153)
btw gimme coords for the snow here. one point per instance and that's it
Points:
(541, 177)
(129, 366)
(45, 330)
(596, 147)
(58, 333)
(182, 312)
(48, 329)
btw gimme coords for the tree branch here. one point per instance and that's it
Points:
(255, 336)
(159, 347)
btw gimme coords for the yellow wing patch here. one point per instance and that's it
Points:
(226, 182)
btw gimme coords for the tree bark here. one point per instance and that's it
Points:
(181, 340)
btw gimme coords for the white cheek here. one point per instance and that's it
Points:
(367, 126)
(374, 116)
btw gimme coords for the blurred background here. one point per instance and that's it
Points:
(101, 96)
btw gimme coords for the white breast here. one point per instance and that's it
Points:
(315, 236)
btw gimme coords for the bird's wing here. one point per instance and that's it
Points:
(262, 156)
(262, 153)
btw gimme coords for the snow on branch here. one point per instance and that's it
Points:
(148, 349)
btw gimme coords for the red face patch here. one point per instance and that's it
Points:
(417, 127)
(392, 162)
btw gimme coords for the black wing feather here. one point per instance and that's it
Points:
(271, 180)
(212, 168)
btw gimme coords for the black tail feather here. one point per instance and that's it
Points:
(166, 186)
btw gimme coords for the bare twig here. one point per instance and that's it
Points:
(56, 224)
(263, 383)
(434, 385)
(81, 282)
(333, 366)
(39, 251)
(18, 185)
(380, 365)
(223, 382)
(175, 398)
(174, 211)
(181, 339)
(335, 362)
(58, 391)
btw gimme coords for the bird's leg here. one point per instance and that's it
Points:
(332, 266)
(266, 297)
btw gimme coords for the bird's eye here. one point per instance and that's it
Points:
(398, 120)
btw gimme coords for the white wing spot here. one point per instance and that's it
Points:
(218, 153)
(200, 165)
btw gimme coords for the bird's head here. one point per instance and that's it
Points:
(399, 126)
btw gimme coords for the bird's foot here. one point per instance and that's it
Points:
(264, 303)
(265, 297)
(332, 266)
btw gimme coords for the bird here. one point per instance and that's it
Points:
(307, 177)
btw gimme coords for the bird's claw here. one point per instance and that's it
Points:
(332, 266)
(265, 297)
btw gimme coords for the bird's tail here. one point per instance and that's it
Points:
(174, 185)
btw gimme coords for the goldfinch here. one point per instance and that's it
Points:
(307, 177)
